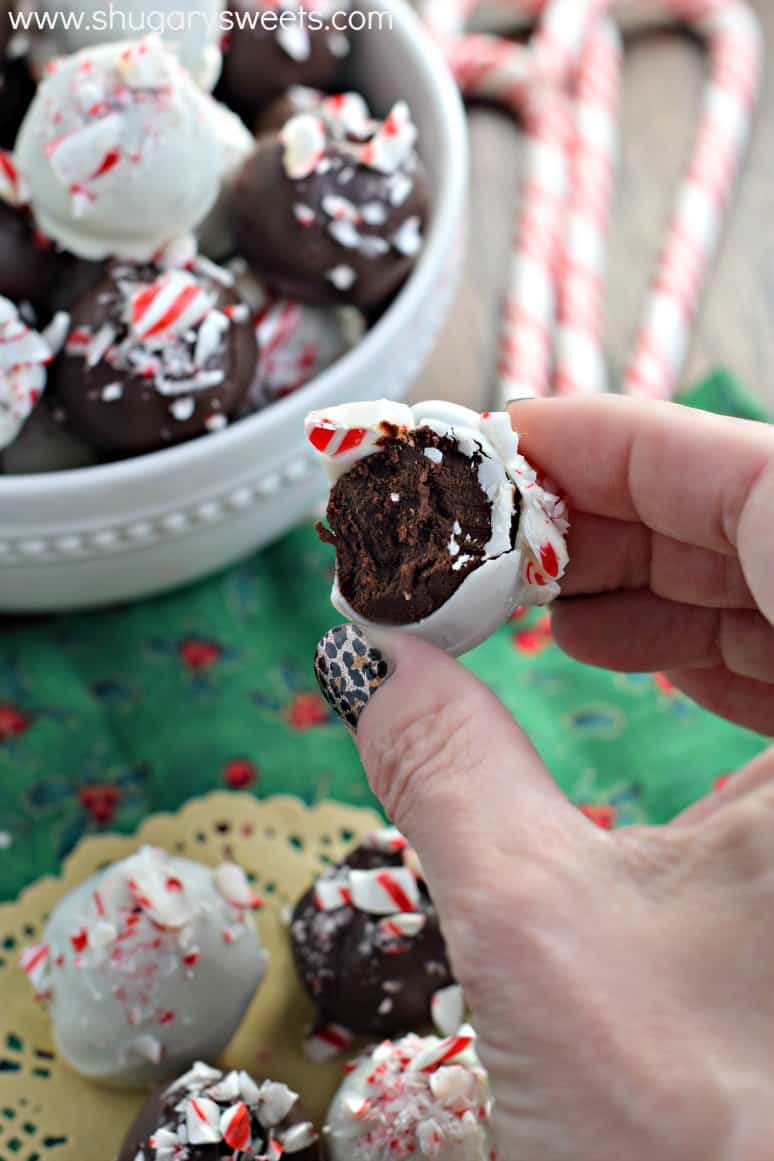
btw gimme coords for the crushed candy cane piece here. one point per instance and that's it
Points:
(234, 886)
(447, 1008)
(384, 891)
(327, 1043)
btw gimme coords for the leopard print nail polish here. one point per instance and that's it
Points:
(349, 672)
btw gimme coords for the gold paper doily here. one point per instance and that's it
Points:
(49, 1112)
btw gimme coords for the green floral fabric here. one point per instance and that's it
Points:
(107, 717)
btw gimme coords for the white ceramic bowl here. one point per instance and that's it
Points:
(101, 535)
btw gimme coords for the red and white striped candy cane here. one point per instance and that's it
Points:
(580, 360)
(736, 64)
(572, 72)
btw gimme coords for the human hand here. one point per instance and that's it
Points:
(671, 545)
(619, 983)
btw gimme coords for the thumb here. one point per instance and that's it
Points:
(451, 767)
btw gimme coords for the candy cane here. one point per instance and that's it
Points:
(565, 89)
(736, 65)
(580, 362)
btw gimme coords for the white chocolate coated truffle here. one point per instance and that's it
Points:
(24, 358)
(148, 965)
(418, 1097)
(120, 152)
(526, 572)
(192, 30)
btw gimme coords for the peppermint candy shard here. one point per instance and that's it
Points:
(233, 884)
(387, 840)
(299, 1137)
(444, 1052)
(197, 1078)
(384, 891)
(447, 1008)
(202, 1118)
(303, 140)
(35, 963)
(406, 925)
(327, 1042)
(274, 1103)
(235, 1127)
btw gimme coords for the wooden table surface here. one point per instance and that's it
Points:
(663, 87)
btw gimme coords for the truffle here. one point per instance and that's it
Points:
(120, 152)
(275, 45)
(45, 444)
(294, 102)
(24, 359)
(155, 358)
(192, 32)
(296, 343)
(213, 1114)
(420, 1097)
(367, 941)
(17, 89)
(147, 965)
(441, 528)
(334, 208)
(32, 268)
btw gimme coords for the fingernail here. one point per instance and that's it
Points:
(349, 671)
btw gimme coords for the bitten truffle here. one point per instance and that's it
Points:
(155, 358)
(147, 965)
(275, 45)
(211, 1114)
(440, 526)
(367, 942)
(423, 1098)
(334, 208)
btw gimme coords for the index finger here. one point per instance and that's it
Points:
(683, 473)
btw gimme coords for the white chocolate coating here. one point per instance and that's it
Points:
(148, 965)
(192, 31)
(526, 573)
(24, 359)
(389, 1108)
(120, 152)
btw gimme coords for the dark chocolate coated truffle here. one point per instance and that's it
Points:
(17, 88)
(393, 518)
(324, 216)
(369, 949)
(211, 1114)
(284, 47)
(32, 269)
(6, 28)
(154, 358)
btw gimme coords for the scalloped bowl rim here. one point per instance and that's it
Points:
(447, 209)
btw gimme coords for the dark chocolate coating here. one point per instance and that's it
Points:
(350, 970)
(393, 560)
(295, 260)
(159, 1112)
(256, 68)
(17, 88)
(6, 29)
(141, 420)
(32, 269)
